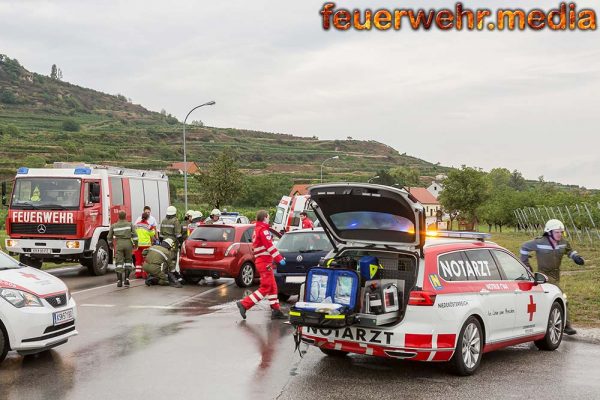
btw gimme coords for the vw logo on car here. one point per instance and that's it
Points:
(299, 258)
(41, 228)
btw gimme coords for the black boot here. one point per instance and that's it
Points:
(173, 281)
(242, 309)
(119, 279)
(569, 329)
(127, 273)
(151, 280)
(277, 314)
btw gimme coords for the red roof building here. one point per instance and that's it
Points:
(192, 168)
(299, 190)
(427, 199)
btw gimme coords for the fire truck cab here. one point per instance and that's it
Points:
(64, 213)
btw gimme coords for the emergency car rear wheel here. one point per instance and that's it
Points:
(3, 342)
(100, 259)
(467, 356)
(554, 331)
(334, 353)
(246, 276)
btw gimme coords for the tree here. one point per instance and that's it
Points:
(384, 178)
(264, 191)
(222, 181)
(70, 125)
(465, 190)
(54, 72)
(406, 176)
(8, 97)
(517, 181)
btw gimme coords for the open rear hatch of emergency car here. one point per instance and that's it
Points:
(379, 232)
(370, 214)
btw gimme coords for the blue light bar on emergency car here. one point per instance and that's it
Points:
(460, 235)
(23, 170)
(83, 171)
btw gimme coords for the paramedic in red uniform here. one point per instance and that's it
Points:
(306, 222)
(265, 255)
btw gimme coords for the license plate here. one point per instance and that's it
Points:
(295, 279)
(41, 251)
(62, 316)
(204, 251)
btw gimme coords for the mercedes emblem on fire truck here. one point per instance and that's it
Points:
(41, 228)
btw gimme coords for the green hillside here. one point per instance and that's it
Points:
(45, 120)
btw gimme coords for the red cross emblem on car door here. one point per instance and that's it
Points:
(531, 307)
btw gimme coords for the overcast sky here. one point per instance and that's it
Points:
(521, 100)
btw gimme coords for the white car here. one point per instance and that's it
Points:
(443, 299)
(37, 311)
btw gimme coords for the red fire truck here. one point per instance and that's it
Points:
(64, 213)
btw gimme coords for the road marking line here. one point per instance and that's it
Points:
(103, 286)
(96, 305)
(165, 307)
(202, 294)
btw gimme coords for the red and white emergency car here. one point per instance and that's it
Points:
(37, 311)
(64, 214)
(460, 295)
(287, 215)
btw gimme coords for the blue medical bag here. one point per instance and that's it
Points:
(324, 285)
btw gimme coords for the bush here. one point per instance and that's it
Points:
(34, 162)
(71, 125)
(7, 97)
(10, 130)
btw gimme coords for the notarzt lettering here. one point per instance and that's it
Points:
(463, 269)
(359, 335)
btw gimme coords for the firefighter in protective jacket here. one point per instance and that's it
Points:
(549, 251)
(127, 239)
(265, 254)
(157, 261)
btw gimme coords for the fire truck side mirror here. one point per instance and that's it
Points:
(4, 193)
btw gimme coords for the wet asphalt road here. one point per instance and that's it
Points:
(190, 343)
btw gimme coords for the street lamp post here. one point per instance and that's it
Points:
(332, 158)
(185, 167)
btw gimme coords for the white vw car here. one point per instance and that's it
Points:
(36, 309)
(449, 299)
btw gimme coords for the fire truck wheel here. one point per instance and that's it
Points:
(469, 347)
(32, 262)
(554, 331)
(246, 275)
(100, 259)
(334, 353)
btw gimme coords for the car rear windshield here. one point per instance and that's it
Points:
(304, 242)
(213, 234)
(371, 220)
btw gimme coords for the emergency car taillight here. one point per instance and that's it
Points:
(232, 249)
(421, 298)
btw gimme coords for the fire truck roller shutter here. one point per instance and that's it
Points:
(136, 188)
(151, 199)
(163, 196)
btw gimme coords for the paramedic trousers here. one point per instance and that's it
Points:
(123, 256)
(267, 288)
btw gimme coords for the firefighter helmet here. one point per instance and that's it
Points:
(171, 210)
(170, 242)
(216, 212)
(554, 225)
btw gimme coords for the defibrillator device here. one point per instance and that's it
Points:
(330, 300)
